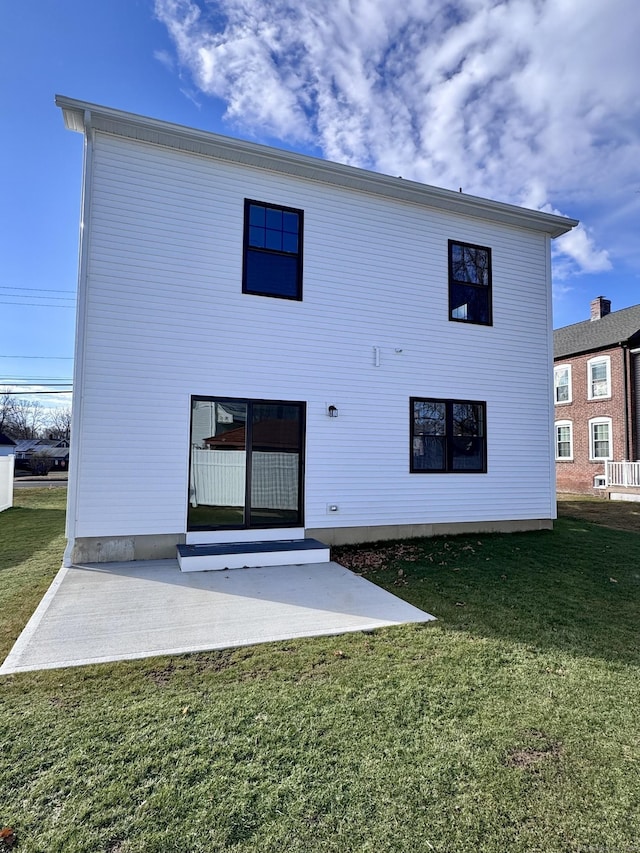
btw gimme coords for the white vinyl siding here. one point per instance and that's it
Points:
(166, 319)
(599, 377)
(562, 383)
(600, 439)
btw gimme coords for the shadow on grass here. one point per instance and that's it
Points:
(25, 530)
(620, 515)
(575, 589)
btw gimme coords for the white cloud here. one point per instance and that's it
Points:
(528, 101)
(165, 58)
(577, 250)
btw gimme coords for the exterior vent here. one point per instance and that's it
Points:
(600, 482)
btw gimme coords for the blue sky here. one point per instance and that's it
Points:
(532, 102)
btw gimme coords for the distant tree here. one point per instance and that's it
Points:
(26, 419)
(7, 407)
(59, 424)
(40, 463)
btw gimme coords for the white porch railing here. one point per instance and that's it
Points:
(626, 474)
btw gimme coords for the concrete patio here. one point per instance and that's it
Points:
(96, 613)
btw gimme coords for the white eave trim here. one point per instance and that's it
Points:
(177, 136)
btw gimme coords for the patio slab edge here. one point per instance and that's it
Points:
(7, 667)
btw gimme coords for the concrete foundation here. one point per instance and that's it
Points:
(122, 549)
(163, 546)
(356, 535)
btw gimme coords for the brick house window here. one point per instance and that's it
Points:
(562, 383)
(599, 377)
(564, 441)
(600, 439)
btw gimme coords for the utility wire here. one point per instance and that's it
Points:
(36, 304)
(29, 384)
(39, 289)
(57, 298)
(48, 357)
(38, 380)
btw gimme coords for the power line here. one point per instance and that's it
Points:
(34, 393)
(36, 304)
(48, 357)
(57, 298)
(29, 384)
(39, 289)
(38, 380)
(38, 376)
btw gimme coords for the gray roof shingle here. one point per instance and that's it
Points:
(592, 335)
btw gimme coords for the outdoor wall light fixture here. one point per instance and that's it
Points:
(332, 412)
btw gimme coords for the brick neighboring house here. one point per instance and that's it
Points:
(597, 397)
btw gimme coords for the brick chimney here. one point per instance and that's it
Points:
(600, 307)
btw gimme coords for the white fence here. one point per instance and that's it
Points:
(218, 479)
(622, 473)
(6, 481)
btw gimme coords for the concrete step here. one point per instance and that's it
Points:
(241, 555)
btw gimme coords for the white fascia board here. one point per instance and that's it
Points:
(201, 142)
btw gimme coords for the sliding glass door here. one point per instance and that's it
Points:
(246, 463)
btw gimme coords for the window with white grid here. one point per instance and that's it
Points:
(600, 439)
(599, 377)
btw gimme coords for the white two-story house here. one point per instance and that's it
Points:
(272, 346)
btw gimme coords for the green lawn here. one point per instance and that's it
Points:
(511, 724)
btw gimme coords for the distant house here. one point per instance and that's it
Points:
(7, 445)
(275, 347)
(24, 447)
(58, 457)
(597, 402)
(55, 449)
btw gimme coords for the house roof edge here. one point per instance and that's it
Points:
(108, 120)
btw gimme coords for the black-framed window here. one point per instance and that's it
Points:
(448, 436)
(470, 283)
(272, 250)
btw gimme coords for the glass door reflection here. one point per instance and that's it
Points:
(245, 464)
(275, 464)
(218, 464)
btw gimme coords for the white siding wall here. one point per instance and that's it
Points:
(166, 318)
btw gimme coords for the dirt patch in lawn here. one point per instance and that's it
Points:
(217, 661)
(619, 515)
(531, 757)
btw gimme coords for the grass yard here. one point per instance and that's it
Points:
(621, 515)
(511, 724)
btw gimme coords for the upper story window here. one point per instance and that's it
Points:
(272, 250)
(564, 441)
(600, 439)
(562, 383)
(599, 377)
(448, 436)
(470, 283)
